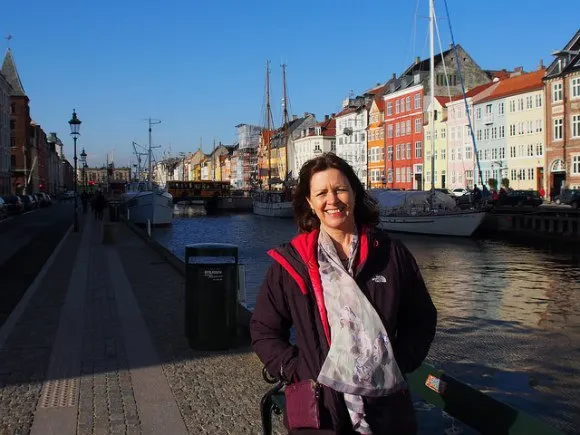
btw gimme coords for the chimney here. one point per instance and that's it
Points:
(394, 76)
(326, 117)
(517, 71)
(417, 60)
(332, 115)
(541, 65)
(451, 46)
(294, 117)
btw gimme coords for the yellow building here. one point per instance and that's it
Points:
(525, 119)
(438, 147)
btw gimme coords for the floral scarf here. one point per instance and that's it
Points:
(360, 361)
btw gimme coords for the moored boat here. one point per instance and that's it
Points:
(423, 212)
(144, 201)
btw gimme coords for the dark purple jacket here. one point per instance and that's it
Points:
(291, 294)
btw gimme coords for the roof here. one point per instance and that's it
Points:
(423, 65)
(470, 93)
(328, 127)
(10, 73)
(517, 85)
(567, 59)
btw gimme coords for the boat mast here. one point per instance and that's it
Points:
(285, 110)
(432, 86)
(150, 168)
(268, 114)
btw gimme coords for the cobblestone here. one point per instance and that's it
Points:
(217, 392)
(106, 400)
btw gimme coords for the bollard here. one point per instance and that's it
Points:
(149, 228)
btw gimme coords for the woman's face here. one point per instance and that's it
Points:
(332, 199)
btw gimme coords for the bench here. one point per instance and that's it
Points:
(472, 407)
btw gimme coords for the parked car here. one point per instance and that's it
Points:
(521, 198)
(13, 204)
(569, 197)
(43, 199)
(3, 209)
(28, 202)
(446, 191)
(460, 191)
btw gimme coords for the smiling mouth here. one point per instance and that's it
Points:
(334, 211)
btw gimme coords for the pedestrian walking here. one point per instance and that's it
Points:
(100, 203)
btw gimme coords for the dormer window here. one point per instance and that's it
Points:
(318, 131)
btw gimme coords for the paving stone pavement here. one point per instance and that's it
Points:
(106, 397)
(217, 392)
(214, 392)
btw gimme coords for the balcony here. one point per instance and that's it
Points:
(488, 118)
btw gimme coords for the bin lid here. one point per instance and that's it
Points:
(211, 250)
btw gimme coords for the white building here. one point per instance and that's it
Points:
(312, 142)
(351, 137)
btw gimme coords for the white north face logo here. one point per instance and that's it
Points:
(379, 278)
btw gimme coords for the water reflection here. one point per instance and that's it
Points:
(509, 315)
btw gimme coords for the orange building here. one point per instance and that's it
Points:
(376, 145)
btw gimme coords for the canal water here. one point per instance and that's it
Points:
(509, 314)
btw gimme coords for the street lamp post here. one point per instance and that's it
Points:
(75, 125)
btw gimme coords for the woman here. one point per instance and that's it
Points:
(362, 313)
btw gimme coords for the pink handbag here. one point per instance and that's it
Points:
(302, 405)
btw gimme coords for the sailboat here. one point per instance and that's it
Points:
(269, 202)
(429, 212)
(145, 201)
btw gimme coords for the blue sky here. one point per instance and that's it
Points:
(199, 66)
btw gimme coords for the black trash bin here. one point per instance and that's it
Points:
(211, 295)
(113, 211)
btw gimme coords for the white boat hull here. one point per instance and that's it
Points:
(140, 207)
(451, 224)
(273, 209)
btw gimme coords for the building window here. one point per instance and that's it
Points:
(538, 100)
(417, 101)
(418, 149)
(575, 91)
(576, 165)
(418, 125)
(390, 176)
(556, 92)
(576, 126)
(500, 109)
(558, 129)
(397, 106)
(390, 130)
(390, 153)
(389, 108)
(408, 103)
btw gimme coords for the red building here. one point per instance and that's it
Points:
(404, 136)
(20, 129)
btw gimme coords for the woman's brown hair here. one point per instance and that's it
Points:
(366, 211)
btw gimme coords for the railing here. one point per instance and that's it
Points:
(488, 118)
(476, 409)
